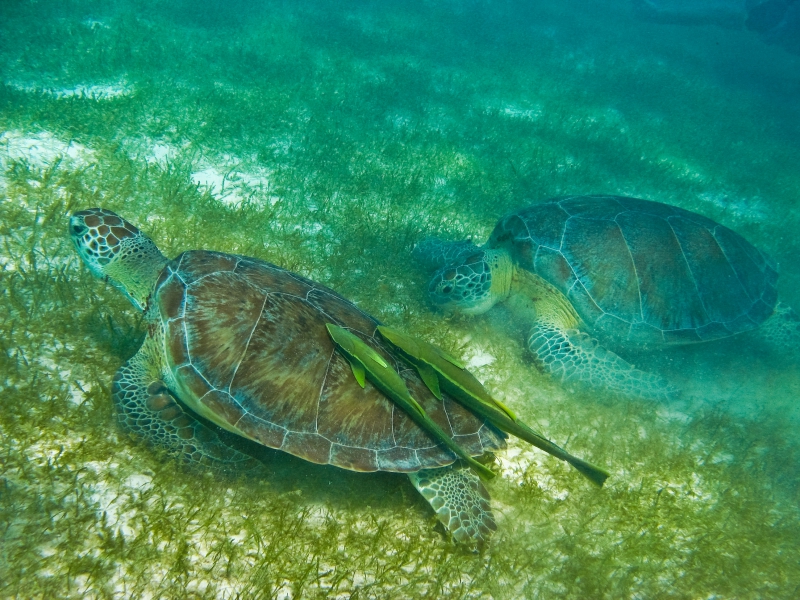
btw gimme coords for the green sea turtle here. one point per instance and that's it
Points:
(249, 347)
(631, 272)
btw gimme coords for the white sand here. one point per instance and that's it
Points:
(40, 149)
(88, 91)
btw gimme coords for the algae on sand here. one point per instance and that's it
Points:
(341, 138)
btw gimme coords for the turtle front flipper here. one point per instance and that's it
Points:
(460, 501)
(145, 408)
(570, 355)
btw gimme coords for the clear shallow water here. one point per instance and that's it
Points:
(329, 140)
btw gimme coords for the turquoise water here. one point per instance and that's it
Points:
(328, 139)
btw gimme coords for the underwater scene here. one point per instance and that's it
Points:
(460, 172)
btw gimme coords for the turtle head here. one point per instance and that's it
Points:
(118, 252)
(473, 283)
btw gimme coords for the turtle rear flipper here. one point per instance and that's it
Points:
(572, 356)
(460, 501)
(782, 330)
(146, 409)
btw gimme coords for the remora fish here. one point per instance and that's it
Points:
(366, 363)
(440, 371)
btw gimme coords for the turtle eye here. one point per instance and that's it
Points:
(474, 258)
(447, 289)
(78, 229)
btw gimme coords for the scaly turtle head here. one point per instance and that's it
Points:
(118, 252)
(473, 283)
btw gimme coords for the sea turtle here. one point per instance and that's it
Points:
(248, 347)
(632, 272)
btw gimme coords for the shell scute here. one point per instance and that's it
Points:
(333, 306)
(221, 313)
(549, 228)
(195, 265)
(176, 346)
(308, 446)
(742, 323)
(408, 434)
(366, 420)
(470, 439)
(770, 296)
(272, 279)
(280, 375)
(713, 331)
(193, 381)
(166, 273)
(552, 266)
(223, 406)
(432, 455)
(514, 229)
(695, 218)
(647, 207)
(722, 294)
(645, 333)
(602, 262)
(511, 234)
(263, 432)
(668, 294)
(753, 270)
(459, 419)
(592, 207)
(355, 459)
(170, 296)
(403, 460)
(583, 304)
(762, 309)
(541, 224)
(682, 336)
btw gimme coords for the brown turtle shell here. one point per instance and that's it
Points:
(643, 272)
(247, 344)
